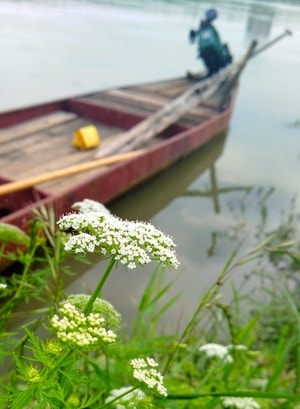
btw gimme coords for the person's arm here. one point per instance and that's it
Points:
(193, 33)
(192, 36)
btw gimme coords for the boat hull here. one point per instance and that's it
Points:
(106, 184)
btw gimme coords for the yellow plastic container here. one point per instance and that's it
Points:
(86, 137)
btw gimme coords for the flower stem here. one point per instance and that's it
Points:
(88, 308)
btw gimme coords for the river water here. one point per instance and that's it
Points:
(56, 48)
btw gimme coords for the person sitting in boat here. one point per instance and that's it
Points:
(214, 53)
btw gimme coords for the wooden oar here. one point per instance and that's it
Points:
(71, 170)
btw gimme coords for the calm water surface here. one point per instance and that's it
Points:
(51, 49)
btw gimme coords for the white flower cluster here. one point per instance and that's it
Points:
(81, 243)
(88, 205)
(217, 351)
(130, 395)
(81, 330)
(3, 286)
(240, 403)
(130, 243)
(144, 371)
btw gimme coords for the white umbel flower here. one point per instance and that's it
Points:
(3, 286)
(144, 371)
(130, 243)
(217, 351)
(240, 403)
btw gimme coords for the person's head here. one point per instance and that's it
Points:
(211, 14)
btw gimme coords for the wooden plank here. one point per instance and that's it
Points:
(161, 86)
(168, 90)
(50, 153)
(148, 100)
(149, 103)
(50, 135)
(35, 125)
(151, 100)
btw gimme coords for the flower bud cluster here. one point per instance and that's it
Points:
(32, 374)
(77, 329)
(73, 401)
(144, 371)
(130, 243)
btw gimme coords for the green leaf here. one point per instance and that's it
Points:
(12, 234)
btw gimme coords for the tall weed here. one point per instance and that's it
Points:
(72, 351)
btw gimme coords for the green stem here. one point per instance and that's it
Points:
(2, 248)
(241, 394)
(88, 308)
(23, 398)
(29, 258)
(119, 397)
(60, 362)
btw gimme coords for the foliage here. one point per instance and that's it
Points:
(73, 352)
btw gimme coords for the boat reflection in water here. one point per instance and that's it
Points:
(259, 22)
(145, 202)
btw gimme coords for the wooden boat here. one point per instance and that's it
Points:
(38, 140)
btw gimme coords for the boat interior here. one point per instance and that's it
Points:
(39, 139)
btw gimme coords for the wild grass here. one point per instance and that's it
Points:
(241, 354)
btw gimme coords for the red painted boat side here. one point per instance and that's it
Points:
(15, 117)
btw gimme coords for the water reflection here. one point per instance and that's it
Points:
(146, 201)
(214, 191)
(259, 22)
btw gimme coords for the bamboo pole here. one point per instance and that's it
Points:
(12, 187)
(272, 42)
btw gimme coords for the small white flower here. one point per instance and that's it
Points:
(144, 371)
(237, 347)
(128, 400)
(88, 205)
(259, 383)
(217, 351)
(3, 286)
(240, 403)
(81, 243)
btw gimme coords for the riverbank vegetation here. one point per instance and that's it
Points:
(61, 350)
